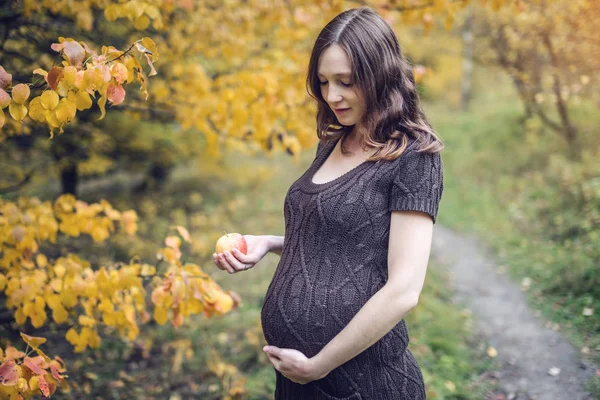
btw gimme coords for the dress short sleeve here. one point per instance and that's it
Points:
(418, 183)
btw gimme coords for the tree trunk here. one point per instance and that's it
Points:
(69, 175)
(466, 87)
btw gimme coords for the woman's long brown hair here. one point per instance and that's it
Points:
(385, 79)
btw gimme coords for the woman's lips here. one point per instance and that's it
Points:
(341, 110)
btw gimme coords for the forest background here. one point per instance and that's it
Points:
(134, 133)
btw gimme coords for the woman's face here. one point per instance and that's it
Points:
(337, 88)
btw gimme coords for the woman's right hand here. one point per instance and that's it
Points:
(258, 247)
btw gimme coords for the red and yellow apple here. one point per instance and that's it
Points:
(229, 241)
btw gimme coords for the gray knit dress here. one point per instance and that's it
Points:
(334, 259)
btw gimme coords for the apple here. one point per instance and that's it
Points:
(229, 241)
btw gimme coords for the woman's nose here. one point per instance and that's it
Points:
(333, 96)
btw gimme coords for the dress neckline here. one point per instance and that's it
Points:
(307, 183)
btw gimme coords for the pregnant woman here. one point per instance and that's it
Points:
(358, 226)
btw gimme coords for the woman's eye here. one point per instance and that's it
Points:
(322, 83)
(346, 84)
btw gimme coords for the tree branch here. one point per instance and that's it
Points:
(23, 182)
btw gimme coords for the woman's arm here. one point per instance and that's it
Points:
(275, 244)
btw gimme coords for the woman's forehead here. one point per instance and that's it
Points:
(335, 62)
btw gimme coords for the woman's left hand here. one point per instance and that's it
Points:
(294, 365)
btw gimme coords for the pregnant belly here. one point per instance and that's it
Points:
(304, 312)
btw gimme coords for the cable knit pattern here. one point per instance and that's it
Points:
(334, 259)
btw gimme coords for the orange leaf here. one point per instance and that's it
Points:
(5, 78)
(29, 363)
(119, 72)
(9, 373)
(115, 93)
(43, 385)
(184, 233)
(53, 77)
(74, 52)
(54, 365)
(4, 98)
(12, 353)
(173, 242)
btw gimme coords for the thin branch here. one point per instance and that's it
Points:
(23, 182)
(125, 52)
(4, 52)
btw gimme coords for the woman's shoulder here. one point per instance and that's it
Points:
(414, 154)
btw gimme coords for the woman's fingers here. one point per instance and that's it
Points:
(222, 263)
(234, 262)
(228, 262)
(244, 258)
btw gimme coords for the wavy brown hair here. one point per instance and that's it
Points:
(385, 80)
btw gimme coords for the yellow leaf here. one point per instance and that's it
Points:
(20, 316)
(20, 93)
(72, 336)
(27, 308)
(41, 260)
(52, 120)
(22, 385)
(91, 375)
(86, 321)
(33, 341)
(56, 285)
(111, 12)
(33, 383)
(3, 282)
(65, 111)
(49, 99)
(40, 303)
(94, 340)
(152, 11)
(109, 318)
(147, 270)
(150, 45)
(68, 298)
(60, 270)
(17, 111)
(40, 71)
(60, 315)
(492, 352)
(2, 118)
(53, 301)
(129, 221)
(102, 105)
(141, 22)
(38, 319)
(37, 112)
(160, 315)
(69, 75)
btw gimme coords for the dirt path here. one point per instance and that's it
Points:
(527, 350)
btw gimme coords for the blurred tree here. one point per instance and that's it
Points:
(549, 51)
